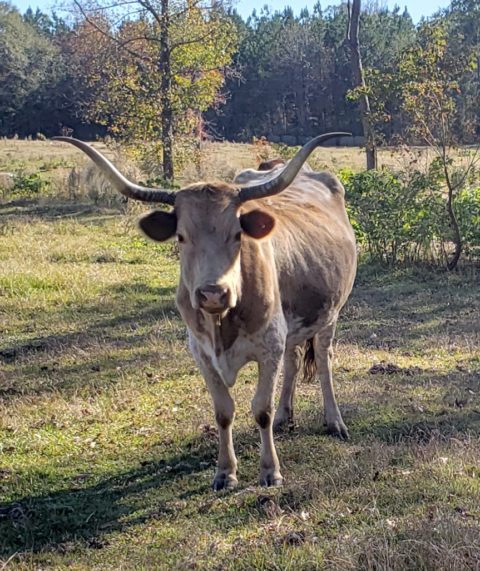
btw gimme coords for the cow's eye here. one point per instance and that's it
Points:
(238, 236)
(180, 238)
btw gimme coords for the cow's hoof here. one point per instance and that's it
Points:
(224, 482)
(338, 430)
(273, 479)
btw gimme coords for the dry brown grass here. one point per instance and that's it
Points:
(216, 161)
(224, 160)
(32, 152)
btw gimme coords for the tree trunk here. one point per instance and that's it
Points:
(359, 80)
(166, 94)
(457, 238)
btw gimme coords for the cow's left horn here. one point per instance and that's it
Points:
(119, 182)
(287, 175)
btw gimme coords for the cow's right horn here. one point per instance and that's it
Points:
(287, 175)
(117, 179)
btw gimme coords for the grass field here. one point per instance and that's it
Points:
(107, 437)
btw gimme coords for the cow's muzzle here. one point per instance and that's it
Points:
(213, 298)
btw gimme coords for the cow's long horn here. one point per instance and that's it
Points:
(117, 179)
(287, 175)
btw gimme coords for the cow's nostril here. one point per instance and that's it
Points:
(202, 296)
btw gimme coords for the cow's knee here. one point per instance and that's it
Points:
(264, 419)
(224, 407)
(263, 415)
(224, 419)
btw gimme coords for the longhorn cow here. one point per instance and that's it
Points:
(267, 262)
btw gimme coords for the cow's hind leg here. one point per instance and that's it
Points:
(323, 360)
(284, 414)
(263, 409)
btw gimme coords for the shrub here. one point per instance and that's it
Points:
(402, 216)
(467, 209)
(29, 183)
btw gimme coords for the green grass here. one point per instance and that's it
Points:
(107, 438)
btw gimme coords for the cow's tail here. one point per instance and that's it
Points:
(309, 365)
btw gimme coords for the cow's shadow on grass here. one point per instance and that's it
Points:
(120, 328)
(151, 490)
(121, 501)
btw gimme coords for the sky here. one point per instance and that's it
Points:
(416, 8)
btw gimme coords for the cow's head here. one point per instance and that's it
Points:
(209, 226)
(209, 221)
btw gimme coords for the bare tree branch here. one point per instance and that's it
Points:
(109, 7)
(196, 40)
(150, 8)
(108, 35)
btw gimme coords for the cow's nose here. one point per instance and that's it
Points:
(213, 298)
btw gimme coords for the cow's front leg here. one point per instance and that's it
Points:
(263, 411)
(226, 474)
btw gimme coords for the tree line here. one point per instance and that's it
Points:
(276, 74)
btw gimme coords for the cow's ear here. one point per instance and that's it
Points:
(159, 225)
(257, 223)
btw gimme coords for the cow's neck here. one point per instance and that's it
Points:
(222, 331)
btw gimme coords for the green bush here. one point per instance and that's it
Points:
(467, 209)
(29, 183)
(402, 216)
(393, 218)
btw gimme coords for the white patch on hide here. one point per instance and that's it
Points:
(263, 346)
